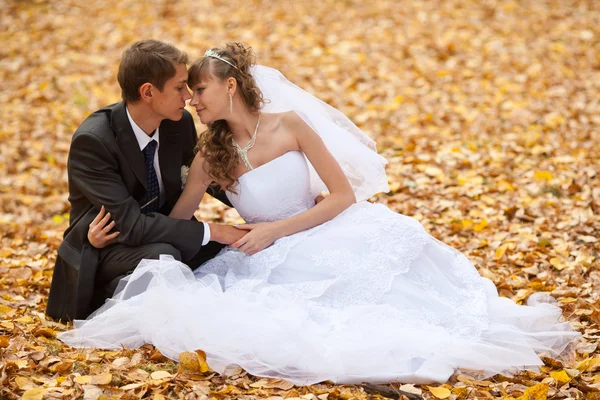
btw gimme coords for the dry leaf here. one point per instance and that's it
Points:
(589, 365)
(34, 394)
(189, 361)
(537, 392)
(24, 383)
(91, 392)
(202, 361)
(560, 376)
(439, 392)
(160, 375)
(6, 312)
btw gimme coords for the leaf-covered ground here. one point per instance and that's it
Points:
(488, 111)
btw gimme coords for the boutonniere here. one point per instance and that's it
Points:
(185, 170)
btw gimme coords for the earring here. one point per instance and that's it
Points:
(230, 103)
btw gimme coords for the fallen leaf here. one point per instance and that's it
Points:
(189, 361)
(101, 379)
(278, 384)
(160, 375)
(6, 311)
(589, 365)
(34, 394)
(560, 376)
(91, 392)
(440, 392)
(46, 332)
(24, 383)
(543, 176)
(536, 392)
(202, 361)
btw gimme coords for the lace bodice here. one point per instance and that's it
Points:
(275, 190)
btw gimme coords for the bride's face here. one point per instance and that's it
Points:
(210, 97)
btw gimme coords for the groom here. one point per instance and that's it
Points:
(126, 159)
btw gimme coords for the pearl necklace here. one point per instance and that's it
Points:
(243, 152)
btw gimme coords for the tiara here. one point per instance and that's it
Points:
(213, 54)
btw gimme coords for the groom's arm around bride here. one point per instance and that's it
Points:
(127, 157)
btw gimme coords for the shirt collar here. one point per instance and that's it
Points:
(142, 138)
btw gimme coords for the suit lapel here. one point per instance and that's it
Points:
(169, 158)
(128, 143)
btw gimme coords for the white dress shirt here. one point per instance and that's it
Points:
(143, 139)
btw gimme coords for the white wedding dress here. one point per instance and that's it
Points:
(367, 296)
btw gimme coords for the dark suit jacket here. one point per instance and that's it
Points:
(106, 167)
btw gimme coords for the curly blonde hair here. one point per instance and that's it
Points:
(216, 142)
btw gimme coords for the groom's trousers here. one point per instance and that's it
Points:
(118, 260)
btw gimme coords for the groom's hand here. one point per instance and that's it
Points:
(321, 197)
(98, 231)
(225, 234)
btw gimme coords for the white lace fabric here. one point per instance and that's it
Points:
(367, 296)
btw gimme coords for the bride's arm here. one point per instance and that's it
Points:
(195, 187)
(341, 194)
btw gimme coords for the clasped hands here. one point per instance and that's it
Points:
(257, 237)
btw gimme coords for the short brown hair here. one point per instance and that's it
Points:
(147, 60)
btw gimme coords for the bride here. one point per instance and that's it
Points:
(343, 290)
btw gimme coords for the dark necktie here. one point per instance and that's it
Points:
(151, 201)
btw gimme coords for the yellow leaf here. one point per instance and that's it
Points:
(6, 252)
(589, 365)
(202, 361)
(189, 361)
(160, 375)
(4, 341)
(558, 263)
(279, 384)
(481, 225)
(461, 392)
(543, 176)
(560, 376)
(119, 362)
(34, 394)
(83, 380)
(501, 250)
(440, 392)
(537, 392)
(132, 386)
(101, 379)
(24, 383)
(6, 311)
(19, 363)
(9, 326)
(505, 186)
(466, 223)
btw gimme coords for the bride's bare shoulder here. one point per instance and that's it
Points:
(278, 122)
(280, 117)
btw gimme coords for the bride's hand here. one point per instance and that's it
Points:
(98, 231)
(259, 237)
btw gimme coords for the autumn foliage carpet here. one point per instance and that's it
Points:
(488, 111)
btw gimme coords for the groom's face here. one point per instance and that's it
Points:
(170, 102)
